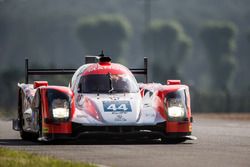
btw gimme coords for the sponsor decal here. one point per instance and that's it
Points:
(117, 106)
(152, 115)
(114, 98)
(120, 118)
(81, 116)
(94, 68)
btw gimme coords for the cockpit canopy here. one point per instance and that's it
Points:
(107, 83)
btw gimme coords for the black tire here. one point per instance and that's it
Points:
(40, 123)
(23, 134)
(173, 140)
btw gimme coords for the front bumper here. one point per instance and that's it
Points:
(80, 131)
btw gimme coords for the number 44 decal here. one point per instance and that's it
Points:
(111, 106)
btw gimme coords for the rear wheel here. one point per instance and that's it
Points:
(28, 135)
(40, 125)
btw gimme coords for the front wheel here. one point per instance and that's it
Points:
(173, 140)
(27, 135)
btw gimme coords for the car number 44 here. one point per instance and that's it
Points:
(113, 107)
(117, 106)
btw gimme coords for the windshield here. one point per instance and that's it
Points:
(107, 83)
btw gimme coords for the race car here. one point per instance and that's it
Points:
(103, 98)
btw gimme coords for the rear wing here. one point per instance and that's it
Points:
(70, 71)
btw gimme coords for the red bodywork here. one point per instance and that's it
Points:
(55, 128)
(176, 127)
(162, 91)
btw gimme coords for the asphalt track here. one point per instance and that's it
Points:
(221, 143)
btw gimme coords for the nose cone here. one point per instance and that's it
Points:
(118, 109)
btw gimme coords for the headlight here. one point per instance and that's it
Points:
(176, 105)
(60, 108)
(60, 112)
(176, 108)
(176, 111)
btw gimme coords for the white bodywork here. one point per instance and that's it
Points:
(141, 114)
(143, 111)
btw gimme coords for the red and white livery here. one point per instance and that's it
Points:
(103, 98)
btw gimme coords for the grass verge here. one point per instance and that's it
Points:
(13, 158)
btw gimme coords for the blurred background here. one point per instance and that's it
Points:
(205, 43)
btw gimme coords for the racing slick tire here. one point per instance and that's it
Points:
(173, 140)
(176, 137)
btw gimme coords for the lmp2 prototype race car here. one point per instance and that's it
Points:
(103, 98)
